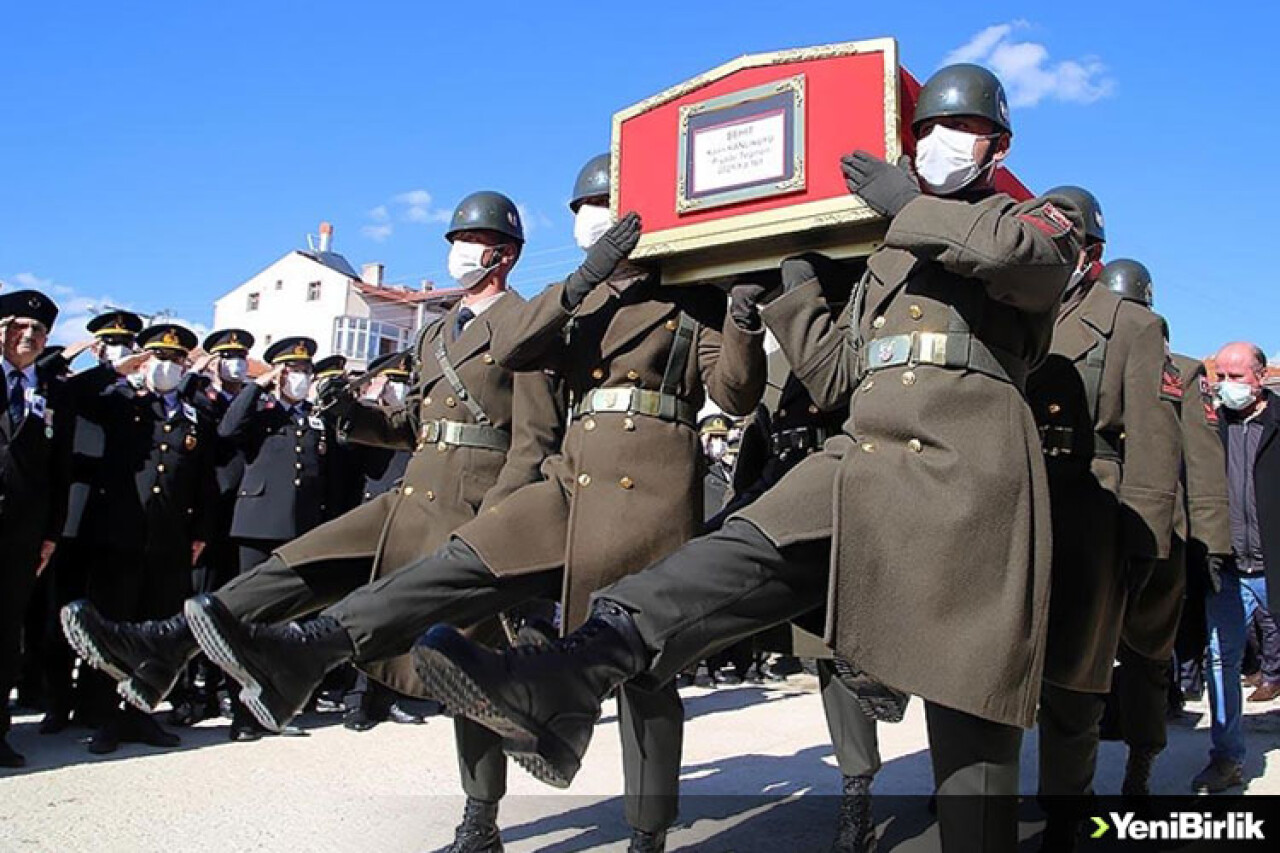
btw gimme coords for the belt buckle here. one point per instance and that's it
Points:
(931, 347)
(431, 432)
(895, 349)
(609, 399)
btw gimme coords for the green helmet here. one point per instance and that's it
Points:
(486, 211)
(1087, 202)
(1128, 280)
(592, 182)
(963, 90)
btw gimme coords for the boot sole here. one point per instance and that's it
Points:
(450, 685)
(139, 696)
(219, 650)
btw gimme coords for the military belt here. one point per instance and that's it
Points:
(636, 401)
(954, 350)
(802, 440)
(458, 434)
(1060, 441)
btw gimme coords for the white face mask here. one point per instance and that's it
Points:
(296, 385)
(116, 353)
(944, 160)
(164, 376)
(1236, 395)
(393, 393)
(233, 369)
(590, 223)
(466, 263)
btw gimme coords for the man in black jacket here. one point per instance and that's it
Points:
(1248, 423)
(35, 454)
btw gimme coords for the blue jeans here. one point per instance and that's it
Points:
(1229, 613)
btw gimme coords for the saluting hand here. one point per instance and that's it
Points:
(132, 363)
(885, 188)
(270, 378)
(602, 259)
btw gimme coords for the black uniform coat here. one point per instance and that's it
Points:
(934, 495)
(287, 487)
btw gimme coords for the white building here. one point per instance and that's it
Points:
(320, 295)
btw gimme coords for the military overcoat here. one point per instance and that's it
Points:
(935, 493)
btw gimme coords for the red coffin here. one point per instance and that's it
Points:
(739, 167)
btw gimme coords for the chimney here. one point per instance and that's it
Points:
(427, 284)
(371, 274)
(326, 237)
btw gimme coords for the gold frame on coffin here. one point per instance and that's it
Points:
(738, 244)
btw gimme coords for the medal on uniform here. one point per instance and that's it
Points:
(189, 443)
(315, 422)
(35, 403)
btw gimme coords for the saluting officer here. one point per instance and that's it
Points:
(35, 453)
(150, 511)
(286, 444)
(1105, 400)
(931, 356)
(215, 379)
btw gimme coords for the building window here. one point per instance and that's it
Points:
(254, 299)
(313, 291)
(364, 340)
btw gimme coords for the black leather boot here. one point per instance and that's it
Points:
(478, 832)
(145, 658)
(1137, 772)
(856, 832)
(647, 842)
(278, 666)
(543, 700)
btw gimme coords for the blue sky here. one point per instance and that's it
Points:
(157, 156)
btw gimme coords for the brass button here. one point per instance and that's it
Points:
(167, 427)
(138, 419)
(297, 448)
(299, 433)
(633, 375)
(628, 424)
(878, 323)
(914, 445)
(155, 489)
(487, 359)
(368, 496)
(671, 325)
(1054, 408)
(450, 402)
(408, 490)
(868, 447)
(442, 446)
(164, 448)
(597, 373)
(916, 312)
(160, 468)
(298, 465)
(426, 401)
(584, 479)
(813, 410)
(430, 495)
(297, 482)
(782, 413)
(909, 378)
(627, 483)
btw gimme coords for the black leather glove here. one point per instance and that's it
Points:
(602, 259)
(334, 398)
(744, 304)
(800, 269)
(886, 189)
(1217, 565)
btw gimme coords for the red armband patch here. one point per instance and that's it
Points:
(1049, 220)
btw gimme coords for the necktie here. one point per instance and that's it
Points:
(17, 400)
(465, 316)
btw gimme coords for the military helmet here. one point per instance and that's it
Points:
(593, 181)
(486, 211)
(1087, 202)
(1128, 279)
(963, 90)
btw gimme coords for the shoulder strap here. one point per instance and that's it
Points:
(678, 358)
(455, 381)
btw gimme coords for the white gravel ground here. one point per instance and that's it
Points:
(758, 776)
